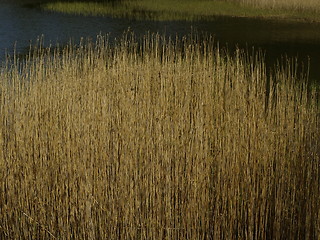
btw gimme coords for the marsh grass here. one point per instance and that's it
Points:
(308, 5)
(190, 10)
(156, 139)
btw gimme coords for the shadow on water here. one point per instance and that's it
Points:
(20, 27)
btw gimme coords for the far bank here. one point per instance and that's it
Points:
(191, 10)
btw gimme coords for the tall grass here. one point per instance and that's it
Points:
(158, 139)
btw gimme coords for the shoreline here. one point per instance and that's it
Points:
(179, 10)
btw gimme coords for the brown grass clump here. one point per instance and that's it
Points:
(158, 139)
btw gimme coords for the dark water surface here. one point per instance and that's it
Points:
(20, 25)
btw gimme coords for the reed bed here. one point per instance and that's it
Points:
(156, 139)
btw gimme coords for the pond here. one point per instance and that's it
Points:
(21, 25)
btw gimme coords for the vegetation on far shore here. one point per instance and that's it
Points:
(156, 139)
(290, 10)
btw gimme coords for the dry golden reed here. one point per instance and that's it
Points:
(156, 139)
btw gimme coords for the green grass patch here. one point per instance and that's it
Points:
(181, 10)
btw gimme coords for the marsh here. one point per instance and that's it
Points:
(157, 136)
(20, 26)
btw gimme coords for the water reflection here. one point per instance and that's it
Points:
(20, 25)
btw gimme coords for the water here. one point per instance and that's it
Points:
(20, 26)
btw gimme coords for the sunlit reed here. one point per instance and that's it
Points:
(157, 139)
